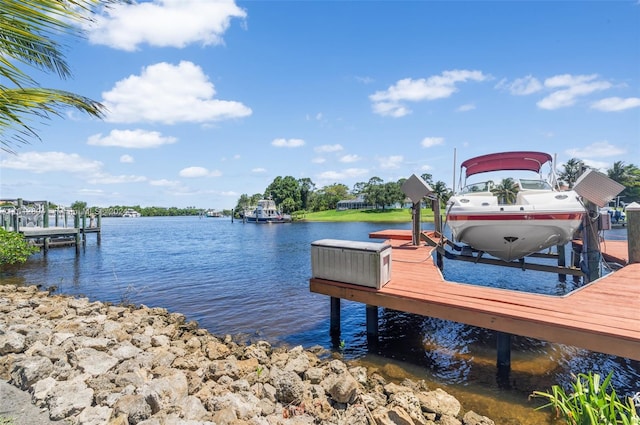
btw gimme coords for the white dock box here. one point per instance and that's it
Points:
(359, 263)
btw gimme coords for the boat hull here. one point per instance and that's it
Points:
(511, 236)
(268, 220)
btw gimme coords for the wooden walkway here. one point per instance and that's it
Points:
(602, 316)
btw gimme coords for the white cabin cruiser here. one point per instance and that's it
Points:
(267, 212)
(541, 217)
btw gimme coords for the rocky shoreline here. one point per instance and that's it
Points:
(93, 363)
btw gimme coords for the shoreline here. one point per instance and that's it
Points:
(96, 363)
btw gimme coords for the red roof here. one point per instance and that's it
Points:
(521, 160)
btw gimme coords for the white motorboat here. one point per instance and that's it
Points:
(131, 213)
(267, 212)
(542, 216)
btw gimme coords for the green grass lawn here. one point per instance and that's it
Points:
(388, 216)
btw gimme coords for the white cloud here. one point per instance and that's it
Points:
(522, 86)
(429, 142)
(133, 139)
(364, 80)
(350, 158)
(613, 104)
(328, 148)
(571, 88)
(393, 161)
(172, 23)
(596, 150)
(390, 102)
(195, 172)
(318, 160)
(109, 179)
(598, 165)
(164, 183)
(426, 168)
(126, 159)
(287, 143)
(338, 175)
(169, 94)
(46, 162)
(466, 107)
(259, 170)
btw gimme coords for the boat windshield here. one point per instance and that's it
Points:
(477, 187)
(534, 185)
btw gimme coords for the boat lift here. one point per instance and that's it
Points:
(452, 251)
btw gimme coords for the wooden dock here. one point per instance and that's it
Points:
(31, 219)
(602, 316)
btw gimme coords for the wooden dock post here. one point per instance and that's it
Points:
(99, 234)
(503, 345)
(633, 232)
(562, 261)
(437, 221)
(590, 243)
(45, 218)
(416, 223)
(334, 329)
(372, 325)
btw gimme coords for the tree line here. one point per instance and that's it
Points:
(295, 195)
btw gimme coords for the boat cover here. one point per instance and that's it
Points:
(519, 160)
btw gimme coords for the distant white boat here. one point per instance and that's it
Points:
(540, 218)
(131, 213)
(267, 212)
(213, 213)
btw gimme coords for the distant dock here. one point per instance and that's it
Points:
(34, 219)
(601, 316)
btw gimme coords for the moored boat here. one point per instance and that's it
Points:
(131, 213)
(267, 212)
(213, 213)
(540, 217)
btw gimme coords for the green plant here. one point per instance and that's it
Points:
(6, 421)
(14, 248)
(590, 402)
(342, 345)
(259, 370)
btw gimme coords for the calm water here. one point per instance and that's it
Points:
(252, 281)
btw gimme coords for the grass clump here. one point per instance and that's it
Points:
(592, 402)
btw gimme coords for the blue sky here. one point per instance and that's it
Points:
(208, 100)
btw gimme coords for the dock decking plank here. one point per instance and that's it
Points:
(601, 316)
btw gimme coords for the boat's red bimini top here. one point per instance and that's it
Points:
(520, 160)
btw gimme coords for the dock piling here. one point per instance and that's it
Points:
(633, 232)
(562, 261)
(372, 325)
(335, 317)
(503, 345)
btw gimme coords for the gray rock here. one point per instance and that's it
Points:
(343, 388)
(11, 342)
(67, 398)
(28, 371)
(472, 418)
(288, 385)
(164, 392)
(134, 407)
(94, 362)
(94, 415)
(439, 402)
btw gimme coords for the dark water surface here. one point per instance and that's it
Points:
(252, 281)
